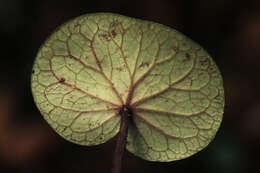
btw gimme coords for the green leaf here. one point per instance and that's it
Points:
(93, 65)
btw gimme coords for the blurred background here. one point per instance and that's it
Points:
(228, 29)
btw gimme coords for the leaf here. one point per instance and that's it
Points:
(93, 65)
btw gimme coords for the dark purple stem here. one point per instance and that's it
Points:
(121, 141)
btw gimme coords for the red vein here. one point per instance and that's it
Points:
(100, 67)
(163, 90)
(130, 93)
(78, 89)
(122, 54)
(159, 129)
(138, 109)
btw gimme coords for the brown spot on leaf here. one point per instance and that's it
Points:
(113, 33)
(122, 31)
(104, 36)
(118, 68)
(116, 28)
(61, 80)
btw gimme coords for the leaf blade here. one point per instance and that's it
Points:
(97, 63)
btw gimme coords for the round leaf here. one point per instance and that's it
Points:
(93, 65)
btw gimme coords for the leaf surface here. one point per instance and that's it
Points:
(93, 65)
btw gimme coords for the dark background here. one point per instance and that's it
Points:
(228, 29)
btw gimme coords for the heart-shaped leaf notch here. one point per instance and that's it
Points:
(100, 70)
